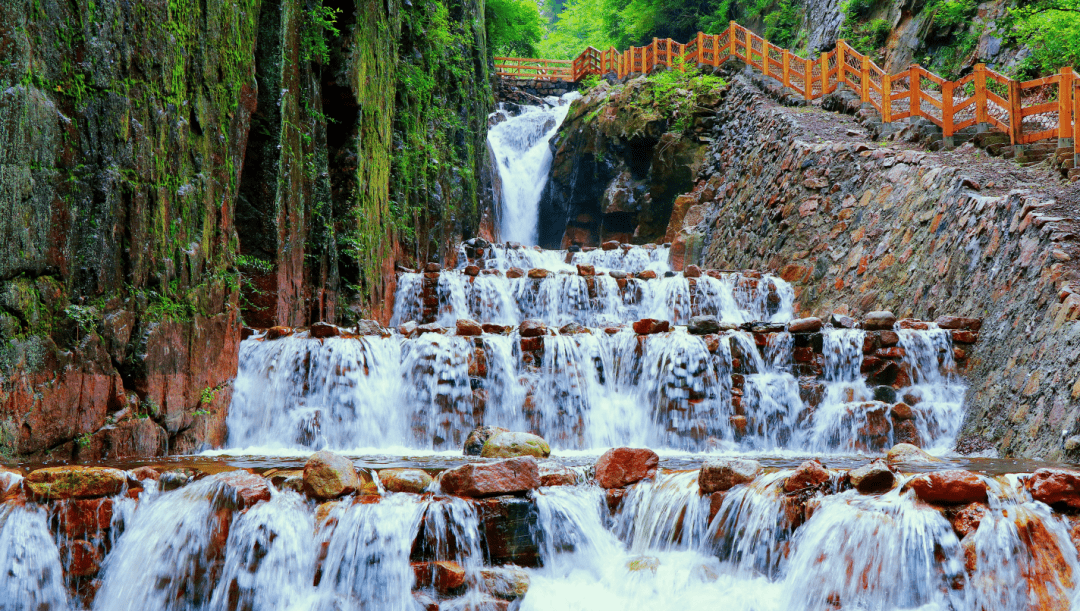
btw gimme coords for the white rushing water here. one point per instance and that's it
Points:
(31, 575)
(519, 145)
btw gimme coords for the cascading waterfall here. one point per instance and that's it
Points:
(31, 576)
(519, 145)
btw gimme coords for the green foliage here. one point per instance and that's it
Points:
(83, 440)
(588, 82)
(782, 24)
(85, 318)
(207, 396)
(580, 24)
(1051, 31)
(8, 439)
(675, 96)
(514, 27)
(856, 9)
(320, 22)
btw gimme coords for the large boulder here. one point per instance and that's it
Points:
(329, 476)
(75, 482)
(805, 325)
(509, 476)
(809, 474)
(651, 326)
(879, 321)
(474, 443)
(703, 325)
(949, 487)
(719, 474)
(1055, 487)
(532, 328)
(621, 467)
(245, 489)
(469, 328)
(405, 480)
(321, 330)
(907, 453)
(509, 445)
(872, 478)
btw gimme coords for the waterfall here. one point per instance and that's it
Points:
(519, 145)
(31, 575)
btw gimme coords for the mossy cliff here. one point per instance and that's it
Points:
(170, 169)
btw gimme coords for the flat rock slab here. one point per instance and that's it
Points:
(75, 482)
(509, 476)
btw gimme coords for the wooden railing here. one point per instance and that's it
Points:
(1028, 111)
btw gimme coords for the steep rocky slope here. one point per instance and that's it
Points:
(144, 146)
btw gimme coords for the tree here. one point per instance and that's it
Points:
(514, 27)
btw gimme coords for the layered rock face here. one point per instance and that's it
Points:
(849, 223)
(146, 146)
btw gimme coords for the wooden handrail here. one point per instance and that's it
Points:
(815, 78)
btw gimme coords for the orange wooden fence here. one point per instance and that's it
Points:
(1028, 111)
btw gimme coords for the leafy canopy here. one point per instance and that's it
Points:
(513, 27)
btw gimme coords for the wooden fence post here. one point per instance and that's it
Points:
(786, 55)
(716, 50)
(731, 39)
(841, 70)
(1076, 126)
(864, 78)
(1065, 94)
(1016, 122)
(913, 80)
(947, 121)
(701, 49)
(808, 78)
(886, 98)
(981, 121)
(825, 74)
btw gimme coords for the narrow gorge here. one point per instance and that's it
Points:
(304, 305)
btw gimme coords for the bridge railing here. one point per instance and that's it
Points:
(1028, 111)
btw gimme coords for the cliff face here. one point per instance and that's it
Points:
(144, 146)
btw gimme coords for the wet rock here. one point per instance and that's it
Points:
(805, 325)
(908, 453)
(84, 518)
(716, 502)
(515, 272)
(650, 326)
(498, 329)
(720, 474)
(432, 268)
(877, 321)
(171, 480)
(278, 332)
(617, 274)
(474, 443)
(610, 245)
(537, 273)
(557, 476)
(507, 583)
(1055, 487)
(586, 270)
(415, 481)
(509, 527)
(901, 411)
(842, 322)
(511, 444)
(509, 476)
(472, 270)
(808, 475)
(329, 476)
(322, 330)
(692, 271)
(469, 328)
(952, 486)
(648, 275)
(966, 519)
(620, 467)
(572, 329)
(431, 328)
(703, 325)
(532, 328)
(84, 558)
(425, 602)
(446, 576)
(643, 563)
(885, 394)
(613, 498)
(873, 478)
(245, 489)
(143, 473)
(74, 482)
(371, 327)
(408, 329)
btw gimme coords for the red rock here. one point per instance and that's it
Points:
(491, 328)
(532, 344)
(646, 275)
(278, 332)
(911, 323)
(537, 273)
(873, 478)
(559, 476)
(610, 245)
(322, 330)
(650, 326)
(739, 422)
(1055, 487)
(809, 474)
(876, 321)
(144, 473)
(75, 482)
(889, 338)
(716, 501)
(85, 558)
(621, 467)
(614, 498)
(445, 575)
(966, 518)
(509, 476)
(953, 486)
(248, 488)
(896, 352)
(965, 337)
(329, 476)
(432, 268)
(425, 602)
(692, 271)
(84, 518)
(901, 411)
(586, 270)
(472, 270)
(532, 328)
(805, 325)
(469, 328)
(721, 474)
(515, 272)
(955, 322)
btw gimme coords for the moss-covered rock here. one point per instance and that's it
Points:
(75, 482)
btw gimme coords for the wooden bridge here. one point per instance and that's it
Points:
(1028, 111)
